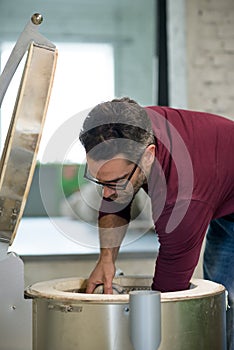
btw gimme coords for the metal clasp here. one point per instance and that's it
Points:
(65, 308)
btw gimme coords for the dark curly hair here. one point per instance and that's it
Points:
(114, 127)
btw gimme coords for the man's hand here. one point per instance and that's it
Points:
(112, 229)
(103, 273)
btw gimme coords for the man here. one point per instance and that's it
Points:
(183, 160)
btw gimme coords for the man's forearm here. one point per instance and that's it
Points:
(112, 229)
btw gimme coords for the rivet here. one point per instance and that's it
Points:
(37, 18)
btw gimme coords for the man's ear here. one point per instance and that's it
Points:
(149, 155)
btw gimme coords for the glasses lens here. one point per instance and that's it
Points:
(118, 185)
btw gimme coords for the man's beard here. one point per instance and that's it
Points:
(127, 195)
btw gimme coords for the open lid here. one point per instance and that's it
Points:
(18, 159)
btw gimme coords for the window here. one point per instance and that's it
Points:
(84, 77)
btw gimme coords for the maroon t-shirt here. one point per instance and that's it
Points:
(191, 183)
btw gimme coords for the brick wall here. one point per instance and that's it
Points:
(210, 55)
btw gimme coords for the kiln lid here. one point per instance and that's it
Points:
(18, 159)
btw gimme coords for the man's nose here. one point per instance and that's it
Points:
(108, 192)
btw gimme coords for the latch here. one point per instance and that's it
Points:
(15, 213)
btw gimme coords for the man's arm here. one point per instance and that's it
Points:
(180, 249)
(112, 229)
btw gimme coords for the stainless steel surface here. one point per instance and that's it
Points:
(67, 320)
(145, 319)
(21, 146)
(195, 324)
(3, 250)
(15, 311)
(84, 327)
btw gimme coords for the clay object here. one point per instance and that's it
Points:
(117, 289)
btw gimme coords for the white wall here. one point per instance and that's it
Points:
(129, 25)
(201, 55)
(210, 54)
(177, 55)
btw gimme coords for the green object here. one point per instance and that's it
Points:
(72, 178)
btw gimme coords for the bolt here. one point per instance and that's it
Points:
(68, 308)
(37, 18)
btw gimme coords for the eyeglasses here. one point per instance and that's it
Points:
(120, 184)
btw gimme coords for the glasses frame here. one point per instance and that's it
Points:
(112, 186)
